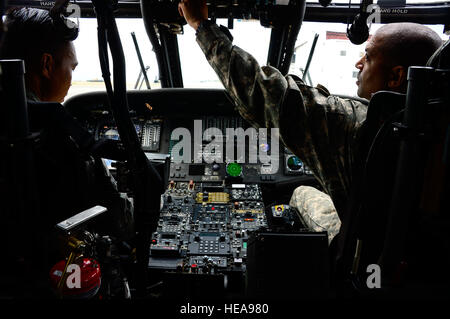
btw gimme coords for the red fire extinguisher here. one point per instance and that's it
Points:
(79, 280)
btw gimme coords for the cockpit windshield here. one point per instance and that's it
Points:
(333, 51)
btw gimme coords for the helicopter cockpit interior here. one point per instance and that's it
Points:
(189, 200)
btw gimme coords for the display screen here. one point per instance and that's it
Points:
(196, 169)
(111, 134)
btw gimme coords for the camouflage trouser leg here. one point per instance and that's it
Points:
(316, 209)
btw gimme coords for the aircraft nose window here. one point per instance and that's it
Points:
(88, 75)
(332, 51)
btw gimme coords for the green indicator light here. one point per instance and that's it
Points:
(244, 245)
(234, 169)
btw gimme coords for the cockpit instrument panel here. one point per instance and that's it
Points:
(148, 132)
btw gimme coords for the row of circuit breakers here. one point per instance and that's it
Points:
(205, 228)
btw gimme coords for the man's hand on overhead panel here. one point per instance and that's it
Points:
(194, 11)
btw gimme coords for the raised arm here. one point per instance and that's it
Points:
(257, 91)
(318, 127)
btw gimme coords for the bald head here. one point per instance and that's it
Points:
(407, 44)
(390, 52)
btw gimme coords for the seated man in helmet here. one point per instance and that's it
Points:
(46, 46)
(70, 174)
(45, 43)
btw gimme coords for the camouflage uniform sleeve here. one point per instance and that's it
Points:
(316, 210)
(257, 91)
(324, 136)
(318, 127)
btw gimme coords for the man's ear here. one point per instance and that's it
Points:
(47, 65)
(397, 78)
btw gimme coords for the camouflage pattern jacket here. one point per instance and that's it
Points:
(321, 129)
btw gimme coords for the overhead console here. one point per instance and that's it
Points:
(269, 12)
(426, 13)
